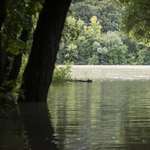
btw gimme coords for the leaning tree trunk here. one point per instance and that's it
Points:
(39, 70)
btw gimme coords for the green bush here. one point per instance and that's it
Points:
(62, 73)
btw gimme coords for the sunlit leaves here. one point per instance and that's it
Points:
(62, 74)
(72, 29)
(81, 38)
(105, 12)
(111, 39)
(94, 30)
(103, 50)
(100, 36)
(99, 49)
(16, 46)
(96, 45)
(71, 47)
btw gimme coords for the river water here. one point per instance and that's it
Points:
(110, 113)
(107, 72)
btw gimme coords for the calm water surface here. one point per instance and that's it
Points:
(111, 113)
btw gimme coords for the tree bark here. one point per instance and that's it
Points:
(39, 70)
(16, 65)
(2, 18)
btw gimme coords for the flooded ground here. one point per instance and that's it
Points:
(110, 113)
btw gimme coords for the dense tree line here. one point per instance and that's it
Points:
(104, 45)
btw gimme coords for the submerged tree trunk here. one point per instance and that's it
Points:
(37, 124)
(39, 70)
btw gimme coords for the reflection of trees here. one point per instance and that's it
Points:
(112, 103)
(76, 114)
(125, 115)
(31, 128)
(102, 115)
(65, 122)
(137, 125)
(12, 133)
(35, 117)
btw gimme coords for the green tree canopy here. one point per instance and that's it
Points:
(136, 18)
(111, 39)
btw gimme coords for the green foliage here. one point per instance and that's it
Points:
(92, 46)
(94, 60)
(19, 17)
(105, 12)
(74, 50)
(99, 40)
(111, 39)
(117, 55)
(143, 54)
(94, 30)
(62, 73)
(135, 20)
(72, 29)
(15, 84)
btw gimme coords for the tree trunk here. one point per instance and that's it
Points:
(2, 18)
(39, 70)
(16, 65)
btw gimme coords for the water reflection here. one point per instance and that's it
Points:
(111, 113)
(12, 132)
(28, 127)
(101, 115)
(36, 120)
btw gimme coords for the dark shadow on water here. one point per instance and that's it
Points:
(36, 120)
(12, 133)
(27, 127)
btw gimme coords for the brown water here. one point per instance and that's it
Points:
(111, 113)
